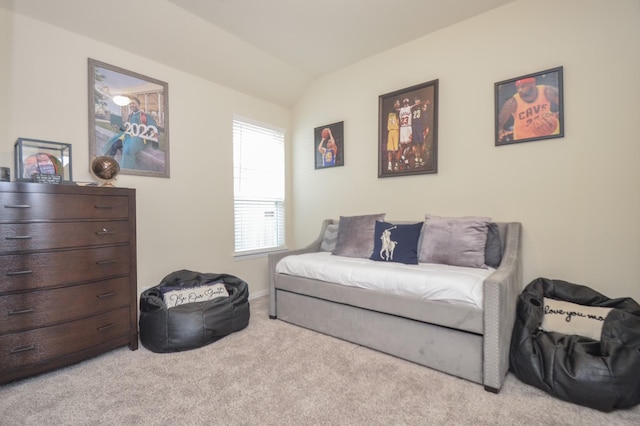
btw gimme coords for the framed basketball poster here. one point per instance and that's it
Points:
(328, 145)
(529, 108)
(408, 131)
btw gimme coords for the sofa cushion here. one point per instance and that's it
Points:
(330, 238)
(355, 235)
(428, 281)
(454, 241)
(396, 243)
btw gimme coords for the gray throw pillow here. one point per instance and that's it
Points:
(355, 235)
(454, 241)
(330, 238)
(493, 248)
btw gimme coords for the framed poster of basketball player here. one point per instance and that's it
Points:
(529, 107)
(408, 131)
(328, 145)
(129, 120)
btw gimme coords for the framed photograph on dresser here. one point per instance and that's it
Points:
(408, 131)
(129, 119)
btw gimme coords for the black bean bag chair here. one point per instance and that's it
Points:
(192, 324)
(603, 374)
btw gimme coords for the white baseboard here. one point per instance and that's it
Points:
(260, 293)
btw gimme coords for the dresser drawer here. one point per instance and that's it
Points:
(49, 269)
(44, 236)
(39, 206)
(29, 347)
(41, 308)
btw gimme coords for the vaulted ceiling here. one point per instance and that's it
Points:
(271, 49)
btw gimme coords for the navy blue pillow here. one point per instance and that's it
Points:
(396, 243)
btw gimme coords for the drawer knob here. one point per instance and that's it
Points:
(103, 295)
(102, 206)
(105, 262)
(22, 349)
(104, 231)
(21, 311)
(19, 237)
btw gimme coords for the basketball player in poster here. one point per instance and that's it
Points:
(406, 130)
(420, 132)
(328, 148)
(534, 111)
(393, 135)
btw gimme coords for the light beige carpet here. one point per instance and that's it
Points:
(274, 373)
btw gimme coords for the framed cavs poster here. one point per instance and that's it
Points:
(408, 131)
(529, 108)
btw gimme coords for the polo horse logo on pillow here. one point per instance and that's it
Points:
(388, 245)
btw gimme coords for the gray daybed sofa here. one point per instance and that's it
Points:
(460, 340)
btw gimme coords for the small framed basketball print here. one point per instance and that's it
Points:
(328, 145)
(529, 108)
(408, 131)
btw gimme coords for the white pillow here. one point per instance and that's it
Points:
(571, 318)
(194, 294)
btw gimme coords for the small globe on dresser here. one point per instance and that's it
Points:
(105, 169)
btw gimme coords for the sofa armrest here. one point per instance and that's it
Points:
(500, 294)
(274, 258)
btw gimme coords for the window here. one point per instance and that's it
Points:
(258, 193)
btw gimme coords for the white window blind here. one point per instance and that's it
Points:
(258, 176)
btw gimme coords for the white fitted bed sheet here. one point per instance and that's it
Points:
(454, 284)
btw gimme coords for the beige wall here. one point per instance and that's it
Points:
(183, 222)
(577, 197)
(6, 149)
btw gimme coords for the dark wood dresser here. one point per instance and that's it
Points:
(68, 287)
